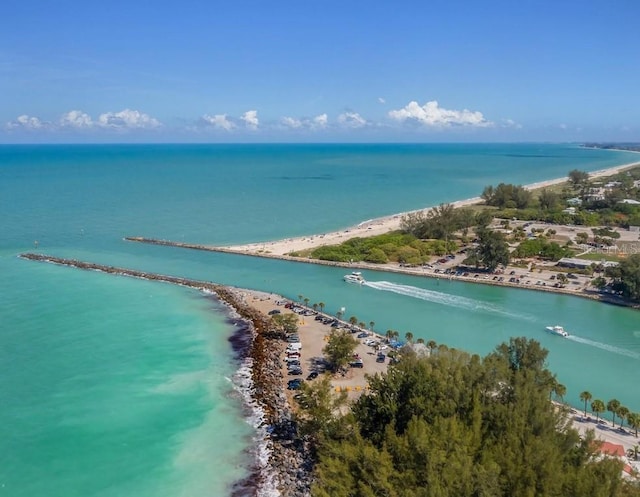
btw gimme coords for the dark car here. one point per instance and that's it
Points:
(318, 317)
(293, 364)
(364, 334)
(381, 358)
(312, 375)
(295, 371)
(274, 311)
(294, 384)
(357, 364)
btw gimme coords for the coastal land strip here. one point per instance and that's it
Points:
(280, 249)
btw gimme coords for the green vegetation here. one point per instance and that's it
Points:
(390, 247)
(455, 424)
(339, 349)
(594, 204)
(543, 248)
(441, 222)
(507, 196)
(492, 250)
(284, 323)
(626, 277)
(421, 237)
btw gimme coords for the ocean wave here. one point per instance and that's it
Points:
(261, 480)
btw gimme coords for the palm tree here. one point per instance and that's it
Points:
(597, 406)
(633, 420)
(560, 390)
(408, 336)
(362, 325)
(586, 397)
(315, 306)
(432, 344)
(321, 306)
(353, 320)
(339, 315)
(622, 413)
(306, 302)
(389, 334)
(420, 340)
(371, 325)
(300, 297)
(612, 406)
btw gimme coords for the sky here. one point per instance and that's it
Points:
(319, 71)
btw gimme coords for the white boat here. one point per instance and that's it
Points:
(557, 330)
(354, 277)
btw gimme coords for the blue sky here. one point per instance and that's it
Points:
(253, 71)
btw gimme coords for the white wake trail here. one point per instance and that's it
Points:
(604, 346)
(444, 299)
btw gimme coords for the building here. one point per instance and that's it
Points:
(571, 262)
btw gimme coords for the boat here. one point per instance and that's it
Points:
(354, 277)
(557, 330)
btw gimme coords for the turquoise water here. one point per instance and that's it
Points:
(115, 386)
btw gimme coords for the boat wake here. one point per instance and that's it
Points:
(445, 299)
(604, 346)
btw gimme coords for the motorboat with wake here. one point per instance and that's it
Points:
(354, 277)
(557, 330)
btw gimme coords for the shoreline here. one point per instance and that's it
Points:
(384, 224)
(278, 466)
(280, 249)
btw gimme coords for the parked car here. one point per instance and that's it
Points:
(274, 311)
(312, 375)
(294, 384)
(364, 334)
(295, 371)
(381, 358)
(357, 363)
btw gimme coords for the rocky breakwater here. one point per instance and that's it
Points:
(289, 463)
(287, 470)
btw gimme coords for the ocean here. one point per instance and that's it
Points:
(113, 386)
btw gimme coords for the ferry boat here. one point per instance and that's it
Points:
(354, 277)
(557, 330)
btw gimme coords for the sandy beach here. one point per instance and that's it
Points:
(379, 226)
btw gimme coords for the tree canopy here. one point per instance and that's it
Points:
(455, 424)
(627, 277)
(492, 250)
(339, 348)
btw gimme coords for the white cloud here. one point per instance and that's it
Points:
(219, 121)
(431, 114)
(381, 100)
(291, 122)
(251, 119)
(352, 120)
(320, 121)
(76, 119)
(510, 123)
(127, 119)
(26, 122)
